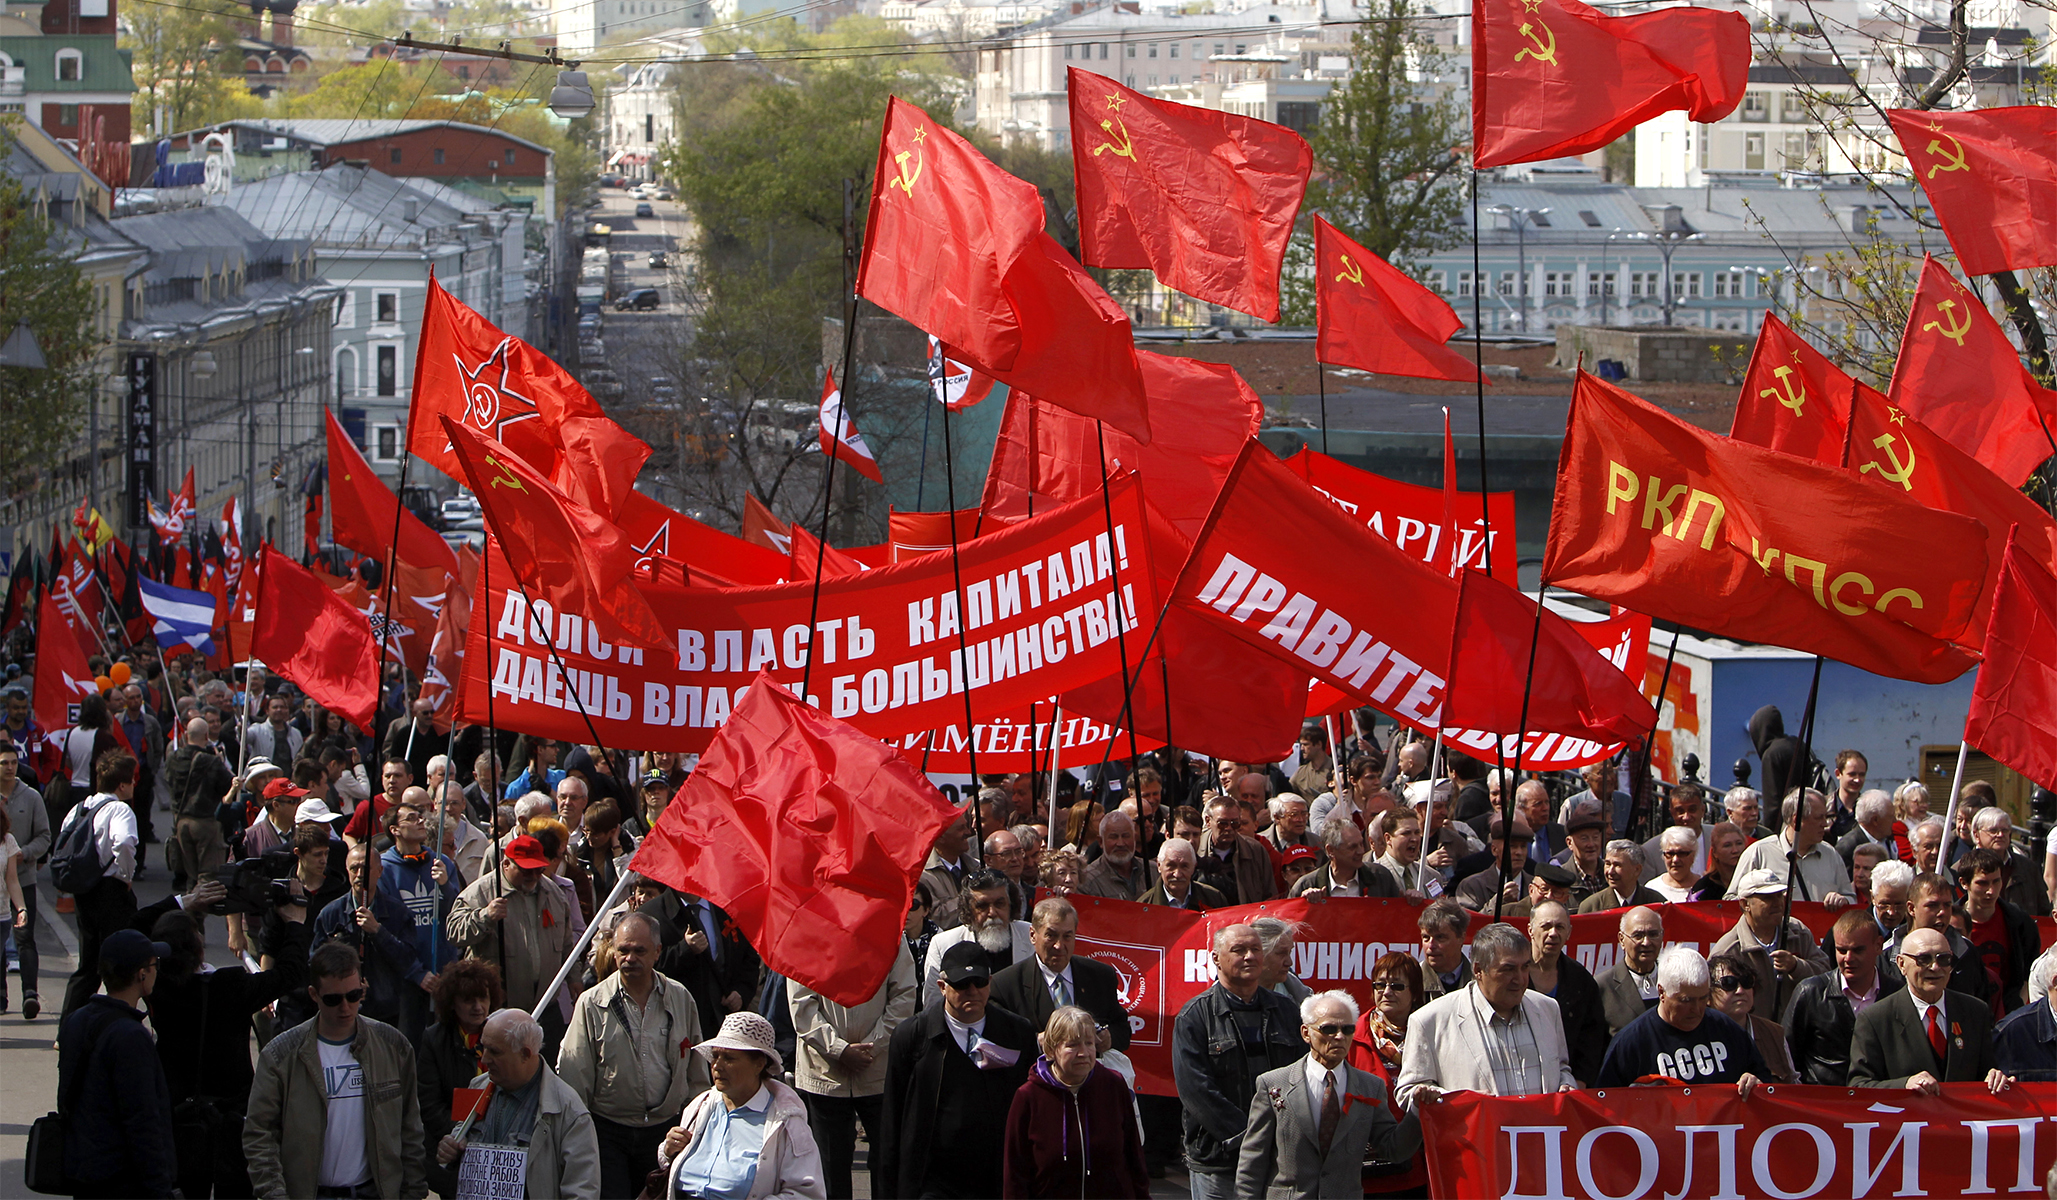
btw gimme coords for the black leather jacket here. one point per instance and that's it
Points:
(1819, 1023)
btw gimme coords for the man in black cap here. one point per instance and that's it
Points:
(951, 1074)
(1548, 883)
(110, 1082)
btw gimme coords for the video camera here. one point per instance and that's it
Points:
(256, 885)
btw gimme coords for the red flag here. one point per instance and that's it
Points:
(560, 550)
(1201, 413)
(237, 613)
(1415, 518)
(1574, 691)
(953, 384)
(956, 246)
(1794, 399)
(62, 676)
(763, 528)
(366, 513)
(504, 388)
(77, 591)
(1960, 376)
(657, 532)
(2013, 714)
(306, 633)
(1719, 535)
(171, 523)
(913, 534)
(442, 676)
(1556, 77)
(839, 436)
(808, 551)
(809, 833)
(1992, 175)
(230, 529)
(1204, 198)
(1368, 314)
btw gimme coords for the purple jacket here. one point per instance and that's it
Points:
(1085, 1144)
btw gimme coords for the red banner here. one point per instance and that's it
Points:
(1784, 1142)
(1022, 744)
(1043, 602)
(1411, 517)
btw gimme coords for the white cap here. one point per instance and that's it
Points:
(315, 810)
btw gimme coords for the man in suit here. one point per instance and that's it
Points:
(1493, 1036)
(943, 875)
(1926, 1035)
(1229, 861)
(1532, 805)
(1481, 891)
(1054, 977)
(951, 1074)
(1628, 989)
(1313, 1123)
(1874, 827)
(713, 959)
(1176, 887)
(1622, 867)
(1346, 873)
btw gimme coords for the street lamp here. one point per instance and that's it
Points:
(572, 98)
(20, 350)
(1519, 218)
(1767, 283)
(1667, 242)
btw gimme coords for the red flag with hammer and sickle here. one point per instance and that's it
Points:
(1371, 316)
(1992, 175)
(1794, 399)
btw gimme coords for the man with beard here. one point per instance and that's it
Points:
(982, 909)
(1119, 873)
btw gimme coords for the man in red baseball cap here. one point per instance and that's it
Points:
(533, 921)
(274, 831)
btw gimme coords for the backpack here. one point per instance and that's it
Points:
(75, 865)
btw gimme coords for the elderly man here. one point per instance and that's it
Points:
(1237, 866)
(1992, 829)
(1223, 1040)
(1782, 957)
(1303, 1139)
(1442, 925)
(1679, 1039)
(1288, 824)
(943, 876)
(1548, 883)
(1744, 808)
(1824, 1009)
(1930, 905)
(1003, 852)
(531, 1108)
(1586, 826)
(463, 842)
(1822, 875)
(1532, 806)
(1890, 883)
(1494, 1036)
(1120, 873)
(1054, 977)
(1874, 827)
(483, 792)
(1925, 1035)
(628, 1056)
(1688, 807)
(1558, 975)
(951, 1075)
(515, 922)
(982, 921)
(376, 924)
(1345, 873)
(1483, 891)
(1176, 887)
(839, 1065)
(1622, 867)
(572, 797)
(1629, 988)
(1926, 840)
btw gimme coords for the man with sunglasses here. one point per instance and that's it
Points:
(1324, 1105)
(1926, 1035)
(1231, 862)
(334, 1110)
(1825, 1008)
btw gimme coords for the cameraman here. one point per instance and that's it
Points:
(378, 926)
(311, 850)
(202, 1020)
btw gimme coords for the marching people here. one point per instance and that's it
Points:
(512, 920)
(110, 1084)
(1223, 1040)
(1493, 1035)
(1563, 978)
(1783, 956)
(1681, 1038)
(1378, 1048)
(1054, 976)
(1177, 863)
(1822, 1015)
(745, 1138)
(1628, 989)
(982, 921)
(528, 1107)
(467, 992)
(839, 1065)
(28, 823)
(1072, 1129)
(1325, 1105)
(1735, 997)
(1925, 1034)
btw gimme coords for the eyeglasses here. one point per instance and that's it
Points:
(1729, 983)
(1930, 961)
(1390, 985)
(338, 999)
(1334, 1030)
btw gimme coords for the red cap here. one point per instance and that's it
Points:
(526, 851)
(279, 788)
(1295, 854)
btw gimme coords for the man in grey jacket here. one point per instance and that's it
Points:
(1323, 1105)
(531, 1108)
(29, 821)
(628, 1055)
(839, 1065)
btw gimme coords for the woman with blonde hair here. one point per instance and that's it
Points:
(1072, 1129)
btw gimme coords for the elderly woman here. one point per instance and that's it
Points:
(1072, 1129)
(1679, 846)
(1061, 871)
(1725, 843)
(1276, 937)
(746, 1137)
(1735, 994)
(1380, 1042)
(467, 992)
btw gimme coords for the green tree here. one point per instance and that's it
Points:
(41, 285)
(185, 63)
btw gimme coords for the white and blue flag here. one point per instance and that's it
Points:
(179, 616)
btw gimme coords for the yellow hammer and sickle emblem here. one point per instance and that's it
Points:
(1900, 472)
(1784, 390)
(1113, 127)
(1951, 161)
(506, 477)
(905, 182)
(1544, 51)
(1351, 271)
(1944, 309)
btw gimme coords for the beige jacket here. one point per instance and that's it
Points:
(598, 1059)
(1449, 1047)
(539, 934)
(789, 1165)
(287, 1122)
(564, 1152)
(823, 1029)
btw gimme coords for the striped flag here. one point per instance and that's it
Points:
(179, 617)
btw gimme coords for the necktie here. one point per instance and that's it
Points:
(1331, 1113)
(971, 1042)
(1060, 991)
(1935, 1036)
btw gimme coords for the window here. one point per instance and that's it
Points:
(389, 370)
(1685, 285)
(1174, 49)
(1539, 220)
(1591, 218)
(1599, 283)
(1300, 116)
(649, 133)
(508, 155)
(1152, 81)
(1067, 52)
(1131, 51)
(1153, 49)
(393, 156)
(387, 305)
(1558, 283)
(1103, 51)
(1436, 281)
(1792, 108)
(68, 115)
(385, 443)
(1466, 283)
(1218, 47)
(439, 156)
(1796, 151)
(1756, 107)
(1753, 152)
(71, 66)
(1701, 149)
(1507, 279)
(1728, 284)
(346, 372)
(1174, 81)
(1129, 80)
(1643, 283)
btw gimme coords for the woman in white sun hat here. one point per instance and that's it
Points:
(747, 1137)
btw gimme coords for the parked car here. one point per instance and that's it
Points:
(642, 300)
(462, 507)
(644, 210)
(601, 381)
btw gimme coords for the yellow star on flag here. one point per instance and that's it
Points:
(1115, 100)
(1897, 417)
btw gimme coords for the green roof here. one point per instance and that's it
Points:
(107, 66)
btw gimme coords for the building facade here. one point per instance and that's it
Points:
(63, 72)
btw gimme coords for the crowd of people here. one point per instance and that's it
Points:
(408, 1006)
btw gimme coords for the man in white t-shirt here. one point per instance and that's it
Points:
(109, 904)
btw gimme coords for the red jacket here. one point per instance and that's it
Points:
(1062, 1144)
